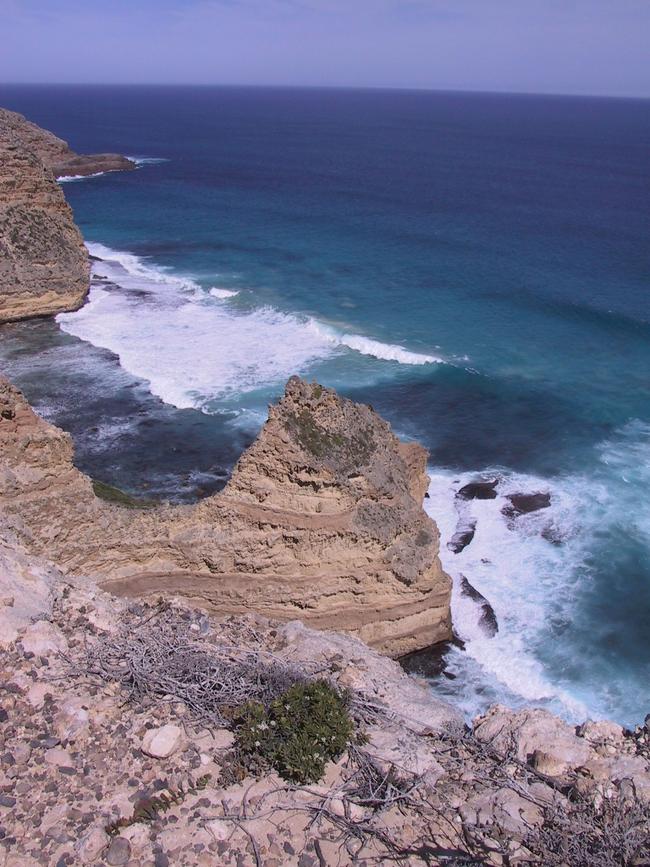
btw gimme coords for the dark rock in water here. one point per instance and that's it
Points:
(523, 504)
(488, 618)
(478, 491)
(552, 534)
(463, 536)
(431, 661)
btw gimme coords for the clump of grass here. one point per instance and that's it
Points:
(348, 451)
(120, 498)
(297, 734)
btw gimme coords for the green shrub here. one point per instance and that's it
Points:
(302, 730)
(114, 495)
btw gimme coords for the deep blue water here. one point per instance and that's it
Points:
(497, 248)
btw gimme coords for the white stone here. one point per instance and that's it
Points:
(222, 739)
(162, 742)
(91, 845)
(220, 829)
(602, 731)
(43, 639)
(59, 757)
(72, 719)
(36, 694)
(533, 734)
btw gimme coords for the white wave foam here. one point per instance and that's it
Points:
(147, 161)
(66, 179)
(167, 329)
(132, 272)
(192, 352)
(534, 586)
(524, 577)
(216, 292)
(374, 348)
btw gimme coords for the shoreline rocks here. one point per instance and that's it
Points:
(488, 620)
(479, 490)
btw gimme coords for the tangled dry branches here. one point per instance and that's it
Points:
(158, 659)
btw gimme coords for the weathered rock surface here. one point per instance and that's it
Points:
(44, 265)
(463, 796)
(597, 753)
(26, 589)
(321, 521)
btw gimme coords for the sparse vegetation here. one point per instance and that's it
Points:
(299, 732)
(120, 498)
(149, 809)
(347, 451)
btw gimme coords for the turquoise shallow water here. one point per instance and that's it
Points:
(476, 267)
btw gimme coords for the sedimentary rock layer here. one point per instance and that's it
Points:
(321, 521)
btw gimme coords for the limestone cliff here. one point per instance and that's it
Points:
(321, 521)
(55, 153)
(44, 265)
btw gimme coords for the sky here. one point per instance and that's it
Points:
(599, 47)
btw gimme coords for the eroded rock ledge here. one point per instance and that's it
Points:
(321, 521)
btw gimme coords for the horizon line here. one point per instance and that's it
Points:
(365, 87)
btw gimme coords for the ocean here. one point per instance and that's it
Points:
(475, 266)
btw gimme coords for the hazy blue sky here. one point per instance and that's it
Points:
(561, 46)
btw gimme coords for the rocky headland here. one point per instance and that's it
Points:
(321, 520)
(44, 265)
(55, 153)
(212, 684)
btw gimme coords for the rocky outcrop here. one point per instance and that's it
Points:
(321, 521)
(44, 265)
(55, 153)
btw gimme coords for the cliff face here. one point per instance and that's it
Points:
(44, 265)
(321, 521)
(55, 153)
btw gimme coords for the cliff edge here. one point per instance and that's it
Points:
(321, 521)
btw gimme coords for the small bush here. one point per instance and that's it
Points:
(114, 495)
(303, 729)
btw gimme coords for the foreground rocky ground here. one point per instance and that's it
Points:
(92, 772)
